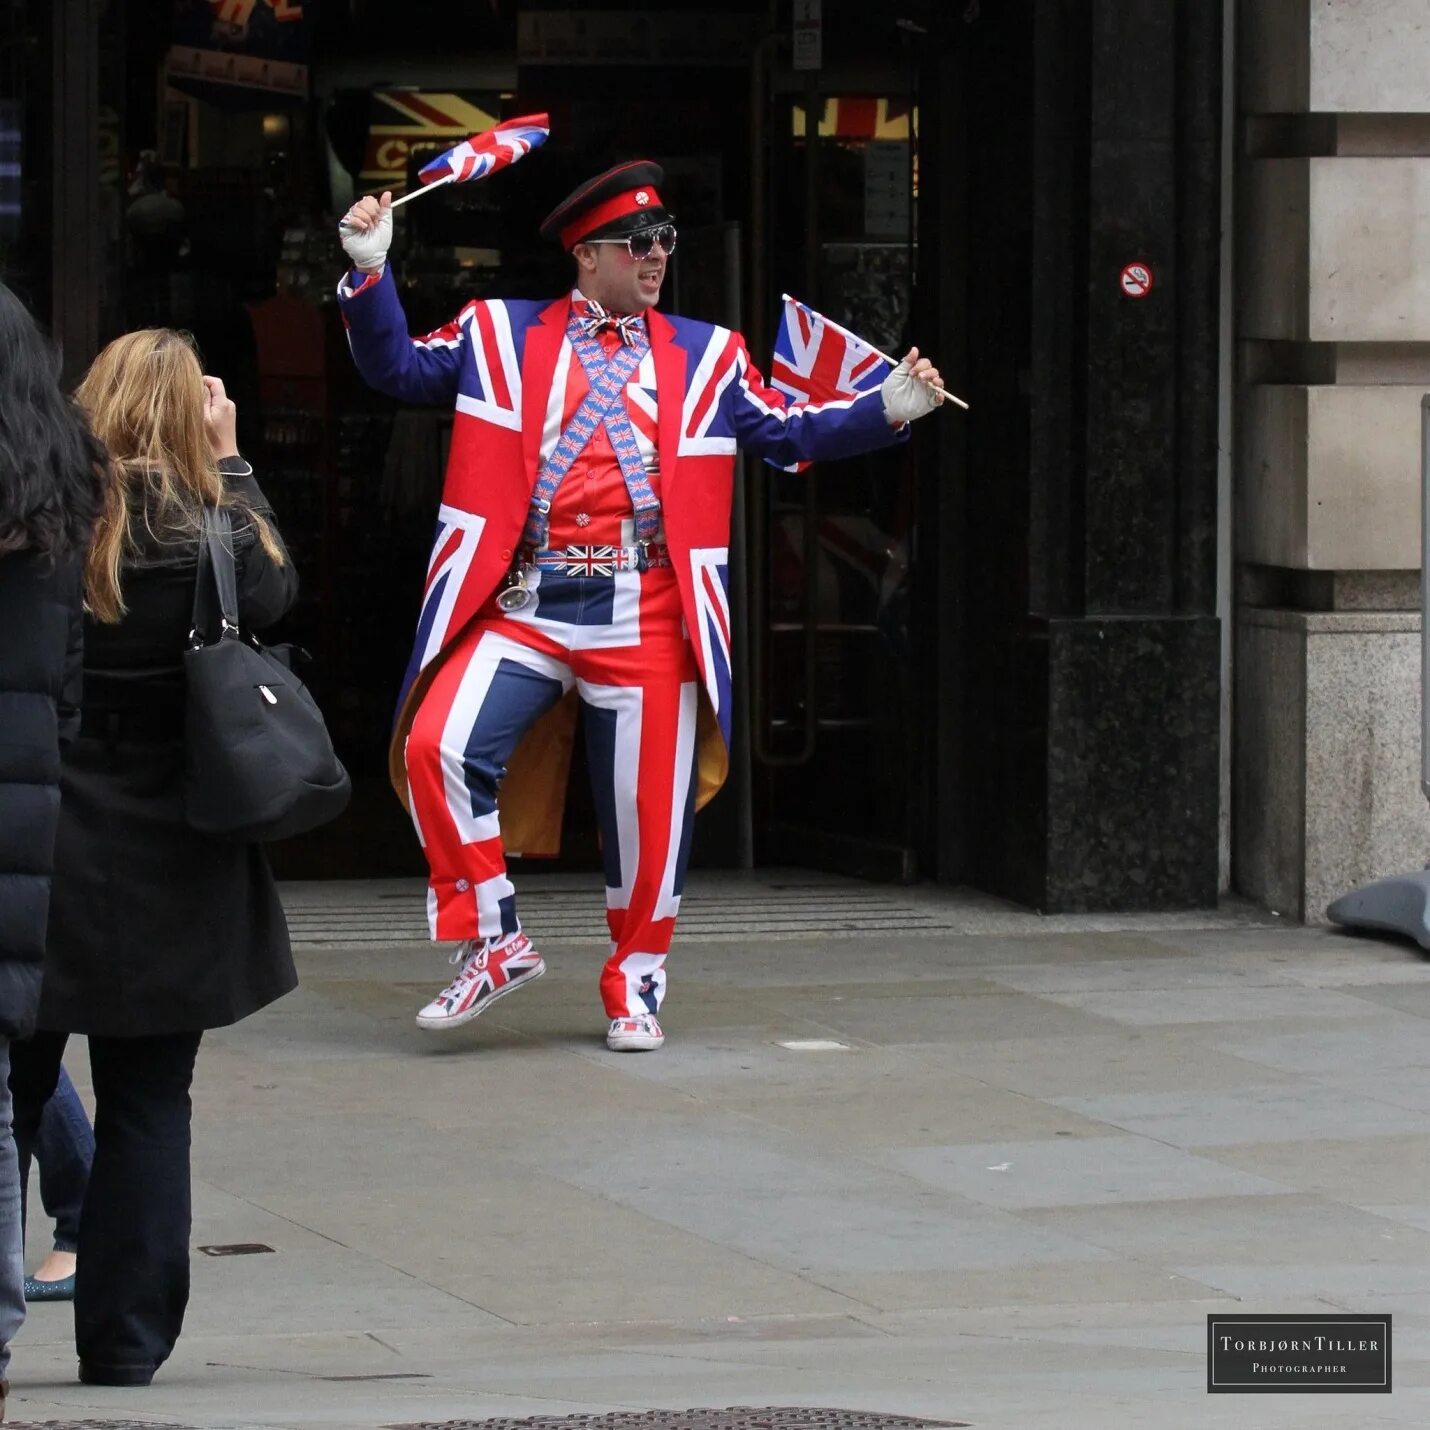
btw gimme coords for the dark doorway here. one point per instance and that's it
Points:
(988, 656)
(834, 671)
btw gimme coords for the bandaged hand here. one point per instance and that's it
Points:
(366, 233)
(912, 390)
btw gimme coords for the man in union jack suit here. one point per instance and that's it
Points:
(581, 555)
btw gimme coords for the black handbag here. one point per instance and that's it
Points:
(258, 761)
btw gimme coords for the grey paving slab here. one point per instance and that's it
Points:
(1077, 1172)
(1278, 940)
(1411, 998)
(306, 1026)
(1256, 1114)
(963, 1356)
(335, 1288)
(864, 1099)
(324, 1087)
(744, 1052)
(1356, 1170)
(1268, 1230)
(810, 1214)
(1339, 1282)
(1126, 1061)
(1111, 1280)
(515, 1221)
(1409, 1309)
(1393, 1043)
(975, 1016)
(258, 1159)
(221, 1218)
(533, 1251)
(1401, 1087)
(1351, 974)
(1151, 1007)
(1416, 1214)
(1168, 970)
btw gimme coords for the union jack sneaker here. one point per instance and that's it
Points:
(489, 969)
(640, 1034)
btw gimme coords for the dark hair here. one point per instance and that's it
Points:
(51, 464)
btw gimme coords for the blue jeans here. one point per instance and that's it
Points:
(64, 1148)
(12, 1236)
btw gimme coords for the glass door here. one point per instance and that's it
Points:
(835, 732)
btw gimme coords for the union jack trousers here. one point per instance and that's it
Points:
(620, 641)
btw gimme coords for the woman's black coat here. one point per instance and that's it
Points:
(155, 928)
(39, 674)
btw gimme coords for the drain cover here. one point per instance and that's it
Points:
(737, 1417)
(93, 1425)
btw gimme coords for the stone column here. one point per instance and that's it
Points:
(1333, 328)
(1092, 693)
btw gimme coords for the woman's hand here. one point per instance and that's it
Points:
(220, 419)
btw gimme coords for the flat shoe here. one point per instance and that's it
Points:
(49, 1290)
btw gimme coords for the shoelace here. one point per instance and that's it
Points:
(471, 948)
(464, 954)
(464, 950)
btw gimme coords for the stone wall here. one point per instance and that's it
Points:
(1333, 330)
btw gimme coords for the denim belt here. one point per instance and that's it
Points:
(597, 560)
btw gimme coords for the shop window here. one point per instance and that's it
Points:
(26, 202)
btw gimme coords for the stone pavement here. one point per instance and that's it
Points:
(1004, 1182)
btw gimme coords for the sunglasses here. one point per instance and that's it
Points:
(639, 244)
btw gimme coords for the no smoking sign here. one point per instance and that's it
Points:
(1136, 279)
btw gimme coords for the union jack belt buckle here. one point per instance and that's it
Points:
(593, 560)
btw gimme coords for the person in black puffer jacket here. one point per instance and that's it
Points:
(50, 468)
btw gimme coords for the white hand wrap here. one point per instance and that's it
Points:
(906, 398)
(368, 249)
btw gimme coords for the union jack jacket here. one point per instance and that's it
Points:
(496, 362)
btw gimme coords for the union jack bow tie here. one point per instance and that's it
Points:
(628, 325)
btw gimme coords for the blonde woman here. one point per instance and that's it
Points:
(156, 932)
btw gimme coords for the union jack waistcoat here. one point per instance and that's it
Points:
(503, 365)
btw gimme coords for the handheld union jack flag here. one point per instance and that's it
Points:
(816, 361)
(489, 151)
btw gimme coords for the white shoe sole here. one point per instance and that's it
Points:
(437, 1025)
(633, 1043)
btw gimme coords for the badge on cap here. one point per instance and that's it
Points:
(642, 198)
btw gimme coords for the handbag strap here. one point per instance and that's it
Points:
(216, 584)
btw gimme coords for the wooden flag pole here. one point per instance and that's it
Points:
(893, 362)
(425, 189)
